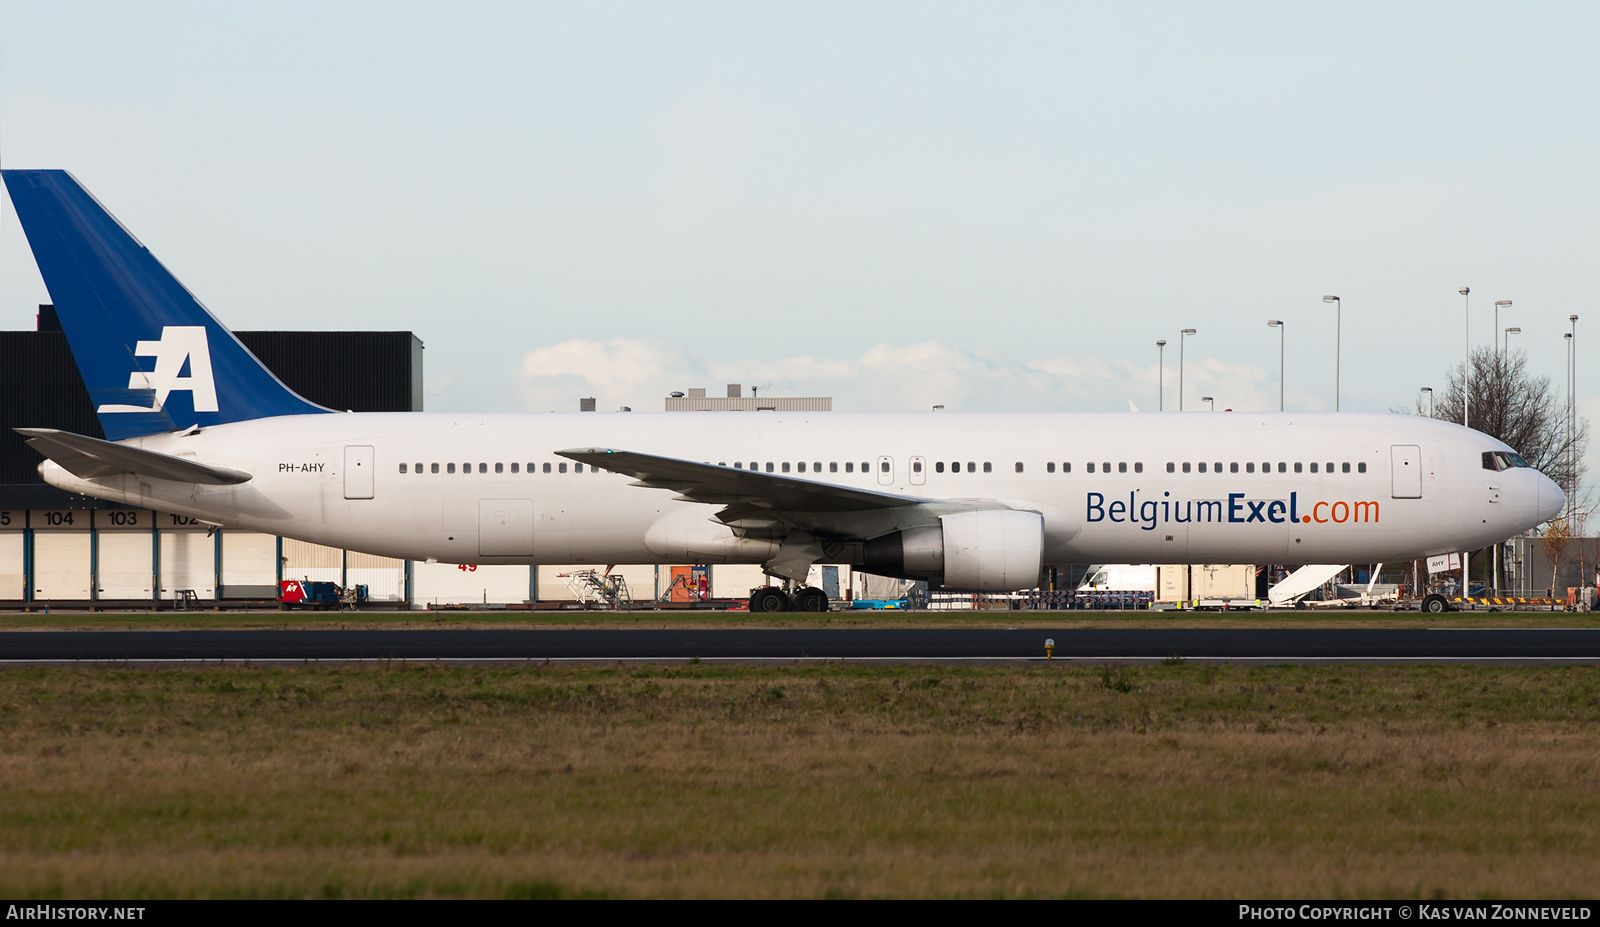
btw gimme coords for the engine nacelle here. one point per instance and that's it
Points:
(993, 550)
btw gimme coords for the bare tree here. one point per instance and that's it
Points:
(1522, 410)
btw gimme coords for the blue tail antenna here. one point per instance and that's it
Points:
(154, 358)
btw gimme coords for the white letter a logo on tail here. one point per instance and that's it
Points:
(179, 343)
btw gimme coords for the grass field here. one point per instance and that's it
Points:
(805, 781)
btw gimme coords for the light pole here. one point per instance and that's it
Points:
(1466, 391)
(1187, 331)
(1428, 391)
(1505, 343)
(1211, 404)
(1337, 307)
(1278, 324)
(1498, 304)
(1466, 373)
(1161, 373)
(1572, 413)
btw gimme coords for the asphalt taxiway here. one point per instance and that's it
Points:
(1248, 645)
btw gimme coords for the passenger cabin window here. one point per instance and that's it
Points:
(1249, 467)
(1090, 466)
(1019, 466)
(1219, 466)
(1313, 466)
(1105, 467)
(434, 468)
(1202, 466)
(801, 466)
(769, 466)
(1330, 466)
(402, 468)
(547, 468)
(987, 468)
(849, 467)
(1138, 466)
(1171, 467)
(1361, 467)
(577, 468)
(1233, 467)
(972, 467)
(1050, 467)
(786, 466)
(1122, 466)
(1344, 468)
(514, 467)
(561, 467)
(483, 468)
(916, 466)
(1066, 468)
(866, 467)
(833, 466)
(816, 467)
(499, 468)
(1186, 466)
(449, 468)
(884, 466)
(1297, 466)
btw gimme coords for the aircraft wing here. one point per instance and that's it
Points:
(704, 482)
(88, 458)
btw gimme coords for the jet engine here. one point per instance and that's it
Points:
(992, 550)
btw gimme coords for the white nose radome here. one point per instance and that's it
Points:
(1551, 499)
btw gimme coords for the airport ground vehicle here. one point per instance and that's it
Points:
(323, 596)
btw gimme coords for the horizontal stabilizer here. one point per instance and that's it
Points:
(704, 482)
(89, 458)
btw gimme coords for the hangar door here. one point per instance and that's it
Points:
(1406, 471)
(188, 557)
(249, 565)
(125, 559)
(13, 581)
(61, 553)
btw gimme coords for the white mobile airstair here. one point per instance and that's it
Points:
(1312, 576)
(600, 588)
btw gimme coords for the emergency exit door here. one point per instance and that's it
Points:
(358, 472)
(1406, 471)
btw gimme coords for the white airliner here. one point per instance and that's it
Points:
(198, 427)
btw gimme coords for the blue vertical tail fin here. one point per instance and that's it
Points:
(154, 359)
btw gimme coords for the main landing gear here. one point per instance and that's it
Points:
(774, 599)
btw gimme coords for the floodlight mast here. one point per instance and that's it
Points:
(1466, 372)
(1161, 374)
(1181, 334)
(1337, 307)
(1278, 324)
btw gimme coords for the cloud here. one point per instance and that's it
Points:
(886, 377)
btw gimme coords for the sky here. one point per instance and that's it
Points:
(986, 206)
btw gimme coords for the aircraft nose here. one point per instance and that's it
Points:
(1551, 499)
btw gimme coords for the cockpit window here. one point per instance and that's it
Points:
(1502, 460)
